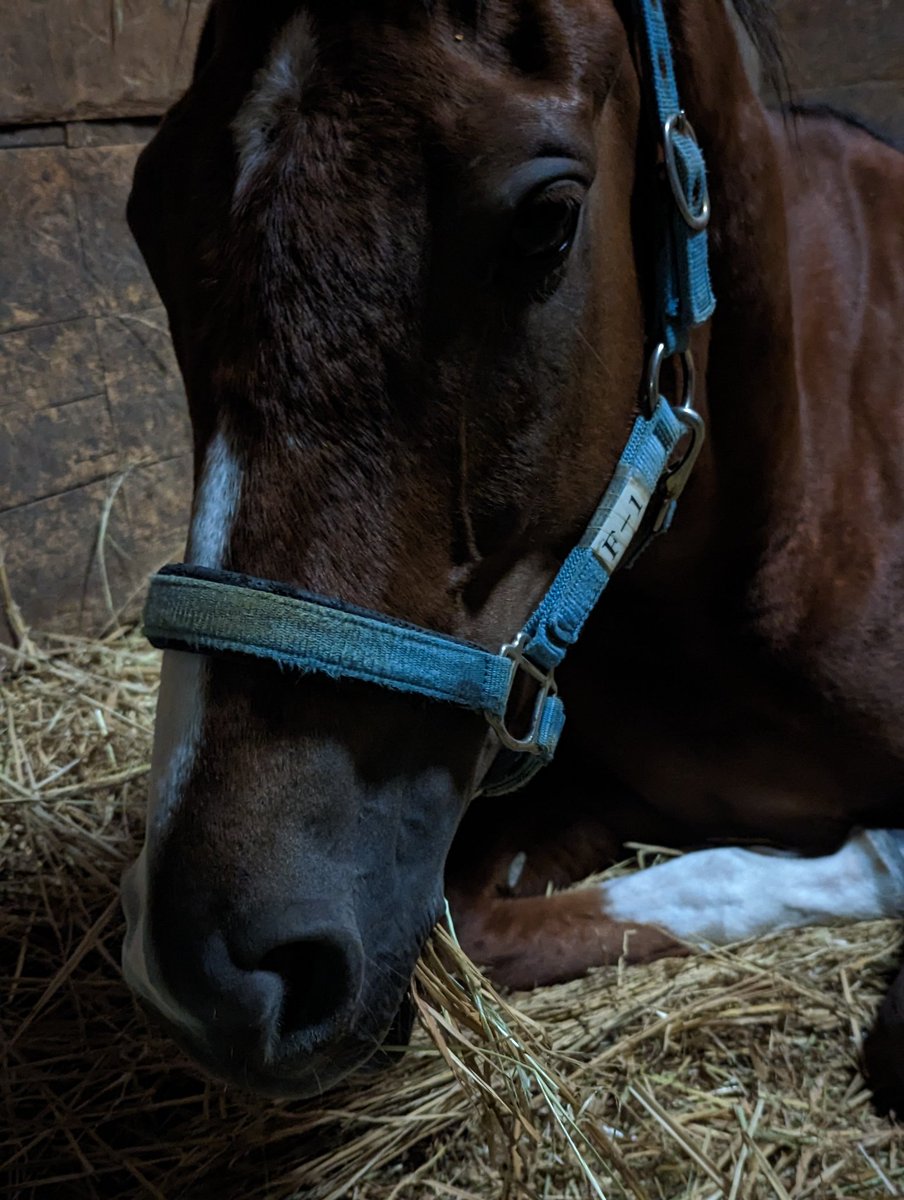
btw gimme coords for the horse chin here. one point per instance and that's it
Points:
(344, 1069)
(358, 1056)
(394, 1045)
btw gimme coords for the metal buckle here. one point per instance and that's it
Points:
(678, 123)
(514, 651)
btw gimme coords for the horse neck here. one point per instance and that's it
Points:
(748, 351)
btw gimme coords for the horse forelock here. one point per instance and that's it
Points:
(277, 84)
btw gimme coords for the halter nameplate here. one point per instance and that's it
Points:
(621, 523)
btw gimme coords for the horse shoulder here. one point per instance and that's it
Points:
(835, 560)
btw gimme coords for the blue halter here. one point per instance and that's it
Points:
(207, 611)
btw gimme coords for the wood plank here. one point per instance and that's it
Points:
(41, 272)
(50, 546)
(834, 43)
(849, 56)
(116, 278)
(76, 59)
(65, 248)
(56, 431)
(143, 385)
(90, 393)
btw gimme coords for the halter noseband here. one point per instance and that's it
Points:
(214, 612)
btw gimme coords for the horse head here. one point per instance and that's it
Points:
(401, 249)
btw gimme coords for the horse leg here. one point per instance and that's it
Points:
(883, 1053)
(709, 897)
(529, 941)
(512, 852)
(558, 830)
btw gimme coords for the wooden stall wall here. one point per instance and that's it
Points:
(93, 433)
(69, 60)
(94, 440)
(848, 54)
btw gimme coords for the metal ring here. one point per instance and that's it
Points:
(657, 358)
(679, 123)
(690, 381)
(653, 372)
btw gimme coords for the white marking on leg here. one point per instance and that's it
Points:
(278, 86)
(726, 895)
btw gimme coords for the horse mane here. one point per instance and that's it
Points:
(761, 25)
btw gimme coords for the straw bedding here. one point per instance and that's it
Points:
(727, 1075)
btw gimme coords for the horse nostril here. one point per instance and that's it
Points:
(318, 982)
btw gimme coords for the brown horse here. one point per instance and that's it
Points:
(406, 253)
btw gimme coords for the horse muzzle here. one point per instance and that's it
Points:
(284, 1005)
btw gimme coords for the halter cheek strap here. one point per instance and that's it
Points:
(684, 296)
(218, 612)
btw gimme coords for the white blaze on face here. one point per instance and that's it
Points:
(716, 897)
(180, 705)
(180, 711)
(275, 93)
(216, 501)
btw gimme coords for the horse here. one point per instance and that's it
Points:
(411, 254)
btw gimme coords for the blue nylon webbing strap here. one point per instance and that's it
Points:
(560, 616)
(684, 293)
(220, 612)
(312, 633)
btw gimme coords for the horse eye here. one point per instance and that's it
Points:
(545, 225)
